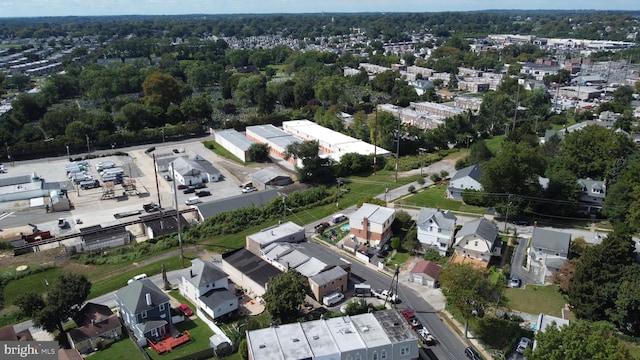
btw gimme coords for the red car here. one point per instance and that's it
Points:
(185, 309)
(182, 187)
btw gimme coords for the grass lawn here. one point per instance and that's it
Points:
(117, 281)
(34, 282)
(400, 258)
(219, 150)
(494, 143)
(434, 197)
(123, 349)
(536, 299)
(634, 349)
(200, 334)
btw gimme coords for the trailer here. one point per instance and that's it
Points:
(363, 290)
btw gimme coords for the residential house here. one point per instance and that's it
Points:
(9, 333)
(476, 242)
(380, 335)
(69, 354)
(426, 273)
(465, 179)
(372, 224)
(592, 193)
(97, 327)
(208, 287)
(248, 270)
(436, 229)
(145, 309)
(549, 250)
(332, 280)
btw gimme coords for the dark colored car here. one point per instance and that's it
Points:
(202, 193)
(200, 186)
(472, 353)
(320, 228)
(182, 186)
(189, 190)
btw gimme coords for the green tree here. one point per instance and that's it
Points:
(514, 170)
(330, 89)
(250, 89)
(468, 291)
(198, 107)
(314, 168)
(593, 291)
(259, 152)
(626, 314)
(63, 300)
(579, 340)
(161, 90)
(243, 349)
(605, 148)
(284, 296)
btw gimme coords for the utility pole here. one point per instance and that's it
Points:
(155, 171)
(421, 151)
(398, 143)
(284, 208)
(506, 217)
(375, 147)
(68, 155)
(515, 113)
(88, 147)
(175, 202)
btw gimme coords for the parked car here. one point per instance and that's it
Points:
(515, 282)
(248, 189)
(62, 223)
(182, 186)
(151, 207)
(202, 193)
(168, 178)
(320, 228)
(472, 353)
(524, 344)
(200, 186)
(189, 190)
(184, 308)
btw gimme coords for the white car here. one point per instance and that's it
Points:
(248, 189)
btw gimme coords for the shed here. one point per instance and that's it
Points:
(270, 176)
(426, 273)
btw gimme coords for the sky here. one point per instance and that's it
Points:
(38, 8)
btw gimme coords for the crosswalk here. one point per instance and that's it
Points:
(4, 215)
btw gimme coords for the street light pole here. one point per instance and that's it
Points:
(88, 147)
(506, 217)
(175, 201)
(398, 144)
(421, 151)
(162, 131)
(68, 154)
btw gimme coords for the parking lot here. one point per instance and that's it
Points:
(88, 205)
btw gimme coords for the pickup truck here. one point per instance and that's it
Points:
(426, 336)
(385, 294)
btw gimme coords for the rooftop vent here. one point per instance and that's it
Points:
(316, 337)
(296, 340)
(262, 346)
(365, 329)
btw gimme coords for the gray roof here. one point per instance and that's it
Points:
(215, 297)
(15, 180)
(551, 241)
(267, 131)
(235, 138)
(591, 185)
(481, 227)
(204, 273)
(473, 171)
(133, 296)
(187, 167)
(267, 174)
(374, 213)
(258, 198)
(147, 326)
(328, 275)
(446, 220)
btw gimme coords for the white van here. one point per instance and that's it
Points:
(332, 299)
(193, 201)
(137, 277)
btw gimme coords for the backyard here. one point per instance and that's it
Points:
(534, 300)
(435, 197)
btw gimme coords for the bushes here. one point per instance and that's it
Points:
(130, 253)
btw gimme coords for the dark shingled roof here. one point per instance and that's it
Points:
(94, 320)
(250, 265)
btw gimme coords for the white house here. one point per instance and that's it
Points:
(476, 242)
(191, 172)
(467, 178)
(549, 250)
(372, 223)
(208, 287)
(435, 229)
